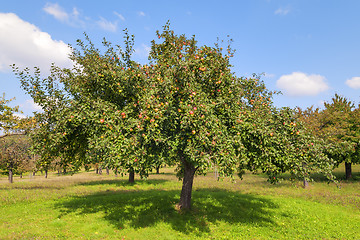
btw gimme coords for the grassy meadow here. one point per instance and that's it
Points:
(90, 206)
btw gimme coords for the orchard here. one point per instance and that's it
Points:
(185, 107)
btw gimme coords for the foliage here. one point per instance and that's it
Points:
(7, 115)
(10, 123)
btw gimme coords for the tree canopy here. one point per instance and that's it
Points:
(338, 126)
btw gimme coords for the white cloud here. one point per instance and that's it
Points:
(19, 115)
(75, 12)
(119, 16)
(107, 25)
(301, 84)
(141, 14)
(143, 51)
(56, 11)
(269, 75)
(30, 106)
(353, 82)
(282, 11)
(76, 19)
(73, 18)
(26, 45)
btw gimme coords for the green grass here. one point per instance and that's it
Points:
(89, 206)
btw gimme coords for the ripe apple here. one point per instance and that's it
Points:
(102, 120)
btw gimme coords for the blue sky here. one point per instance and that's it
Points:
(308, 49)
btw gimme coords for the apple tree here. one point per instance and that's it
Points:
(14, 146)
(15, 155)
(209, 117)
(340, 124)
(185, 107)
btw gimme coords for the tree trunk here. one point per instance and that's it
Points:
(100, 170)
(107, 171)
(131, 176)
(97, 170)
(34, 173)
(185, 196)
(11, 177)
(64, 170)
(20, 175)
(348, 174)
(306, 183)
(46, 173)
(158, 169)
(116, 172)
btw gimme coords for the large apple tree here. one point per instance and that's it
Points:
(185, 107)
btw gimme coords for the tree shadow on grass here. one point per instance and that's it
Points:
(31, 187)
(319, 177)
(340, 176)
(141, 209)
(123, 182)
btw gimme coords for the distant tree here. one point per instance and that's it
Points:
(340, 124)
(14, 149)
(14, 155)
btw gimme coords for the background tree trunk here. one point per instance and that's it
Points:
(185, 196)
(11, 177)
(306, 183)
(46, 173)
(107, 171)
(348, 174)
(131, 176)
(158, 169)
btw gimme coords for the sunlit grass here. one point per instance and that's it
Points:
(90, 206)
